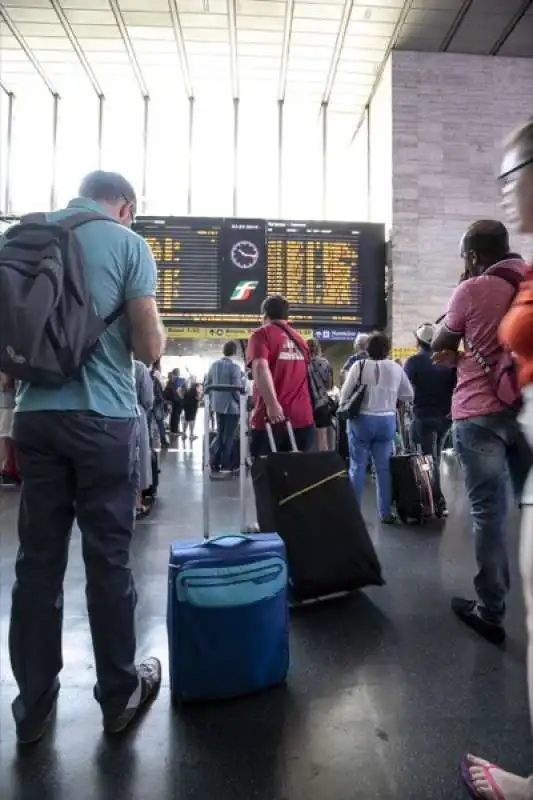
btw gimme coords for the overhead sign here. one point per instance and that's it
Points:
(334, 335)
(218, 271)
(217, 333)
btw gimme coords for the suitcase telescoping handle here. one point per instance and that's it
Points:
(243, 441)
(290, 432)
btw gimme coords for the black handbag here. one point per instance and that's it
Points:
(351, 407)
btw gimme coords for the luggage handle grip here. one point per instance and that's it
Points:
(290, 433)
(224, 387)
(216, 539)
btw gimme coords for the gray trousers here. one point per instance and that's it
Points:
(74, 466)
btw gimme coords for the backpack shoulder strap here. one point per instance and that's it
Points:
(34, 219)
(74, 221)
(67, 224)
(510, 276)
(291, 336)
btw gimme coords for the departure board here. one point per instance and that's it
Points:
(316, 267)
(218, 271)
(186, 252)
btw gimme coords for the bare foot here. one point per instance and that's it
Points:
(490, 782)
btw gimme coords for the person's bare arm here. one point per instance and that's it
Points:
(147, 331)
(452, 328)
(264, 382)
(445, 339)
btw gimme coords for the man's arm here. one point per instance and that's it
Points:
(147, 332)
(445, 339)
(265, 386)
(410, 369)
(452, 329)
(257, 354)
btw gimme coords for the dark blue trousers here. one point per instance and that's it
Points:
(85, 467)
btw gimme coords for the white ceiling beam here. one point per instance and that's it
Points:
(136, 67)
(180, 44)
(4, 89)
(286, 47)
(30, 55)
(337, 50)
(509, 28)
(76, 46)
(456, 24)
(400, 22)
(233, 44)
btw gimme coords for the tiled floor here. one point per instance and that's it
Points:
(387, 690)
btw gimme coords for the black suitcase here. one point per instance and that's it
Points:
(151, 492)
(415, 488)
(307, 498)
(341, 431)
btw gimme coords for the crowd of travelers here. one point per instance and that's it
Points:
(84, 450)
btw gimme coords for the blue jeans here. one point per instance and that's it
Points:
(222, 444)
(372, 435)
(491, 449)
(160, 422)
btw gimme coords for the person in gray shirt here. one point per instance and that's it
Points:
(225, 405)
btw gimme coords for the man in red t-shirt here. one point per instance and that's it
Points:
(279, 358)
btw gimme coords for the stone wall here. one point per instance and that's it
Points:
(450, 114)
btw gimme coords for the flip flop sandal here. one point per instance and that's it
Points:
(469, 783)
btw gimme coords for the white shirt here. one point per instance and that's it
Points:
(386, 384)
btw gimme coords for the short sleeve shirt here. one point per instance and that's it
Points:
(475, 311)
(289, 367)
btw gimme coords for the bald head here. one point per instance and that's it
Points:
(111, 187)
(484, 244)
(112, 191)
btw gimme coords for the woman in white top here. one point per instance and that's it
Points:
(371, 433)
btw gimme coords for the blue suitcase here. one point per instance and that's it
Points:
(227, 612)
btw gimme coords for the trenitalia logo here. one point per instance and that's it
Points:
(244, 290)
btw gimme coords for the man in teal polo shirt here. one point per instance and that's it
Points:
(77, 450)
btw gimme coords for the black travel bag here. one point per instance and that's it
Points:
(151, 491)
(415, 488)
(307, 498)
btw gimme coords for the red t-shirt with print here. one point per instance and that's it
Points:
(288, 366)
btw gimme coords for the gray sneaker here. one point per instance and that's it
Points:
(149, 673)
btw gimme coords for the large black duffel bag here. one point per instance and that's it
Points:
(307, 498)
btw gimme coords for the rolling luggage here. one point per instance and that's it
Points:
(415, 488)
(151, 492)
(10, 476)
(341, 431)
(227, 611)
(309, 500)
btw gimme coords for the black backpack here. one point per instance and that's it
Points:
(48, 323)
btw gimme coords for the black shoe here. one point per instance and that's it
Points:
(144, 510)
(149, 673)
(31, 732)
(9, 481)
(468, 612)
